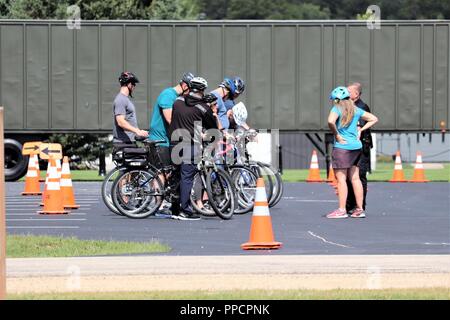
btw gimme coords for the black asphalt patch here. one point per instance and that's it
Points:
(401, 219)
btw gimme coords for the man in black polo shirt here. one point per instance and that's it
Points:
(191, 115)
(366, 139)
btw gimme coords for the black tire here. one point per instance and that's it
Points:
(244, 181)
(16, 164)
(203, 211)
(259, 170)
(133, 187)
(107, 184)
(221, 194)
(277, 183)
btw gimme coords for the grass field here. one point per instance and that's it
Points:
(387, 294)
(383, 172)
(27, 246)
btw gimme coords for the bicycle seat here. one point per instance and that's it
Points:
(153, 142)
(134, 151)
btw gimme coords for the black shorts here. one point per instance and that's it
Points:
(161, 157)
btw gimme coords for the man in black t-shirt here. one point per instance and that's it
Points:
(366, 139)
(191, 115)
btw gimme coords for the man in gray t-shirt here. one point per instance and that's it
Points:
(125, 126)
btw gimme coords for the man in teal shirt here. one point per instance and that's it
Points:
(162, 110)
(161, 118)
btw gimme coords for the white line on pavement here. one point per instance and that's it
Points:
(326, 241)
(437, 244)
(44, 227)
(36, 214)
(31, 219)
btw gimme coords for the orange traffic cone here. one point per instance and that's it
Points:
(53, 202)
(399, 175)
(261, 233)
(45, 184)
(32, 187)
(66, 186)
(419, 171)
(314, 173)
(332, 181)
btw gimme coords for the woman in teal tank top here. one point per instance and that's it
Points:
(343, 122)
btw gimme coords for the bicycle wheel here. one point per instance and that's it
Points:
(106, 189)
(259, 171)
(137, 194)
(277, 188)
(206, 210)
(221, 194)
(244, 181)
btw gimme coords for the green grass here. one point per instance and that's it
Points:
(78, 175)
(26, 246)
(387, 294)
(383, 172)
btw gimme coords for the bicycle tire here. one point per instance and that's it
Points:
(202, 211)
(106, 190)
(143, 211)
(222, 180)
(278, 187)
(245, 198)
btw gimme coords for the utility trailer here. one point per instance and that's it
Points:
(58, 79)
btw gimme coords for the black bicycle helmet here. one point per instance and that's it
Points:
(127, 77)
(186, 78)
(209, 98)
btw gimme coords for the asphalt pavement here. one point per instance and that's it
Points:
(401, 219)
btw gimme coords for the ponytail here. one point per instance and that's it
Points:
(347, 108)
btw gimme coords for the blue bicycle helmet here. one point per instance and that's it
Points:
(340, 93)
(239, 84)
(229, 85)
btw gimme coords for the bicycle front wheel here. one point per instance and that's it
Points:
(221, 194)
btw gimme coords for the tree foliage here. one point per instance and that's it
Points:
(82, 149)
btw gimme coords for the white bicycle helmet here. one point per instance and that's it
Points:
(240, 113)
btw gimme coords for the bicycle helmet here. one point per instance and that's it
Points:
(340, 93)
(240, 114)
(186, 78)
(198, 84)
(127, 77)
(228, 84)
(239, 85)
(209, 98)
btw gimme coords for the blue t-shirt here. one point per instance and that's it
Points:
(222, 111)
(158, 125)
(349, 133)
(229, 104)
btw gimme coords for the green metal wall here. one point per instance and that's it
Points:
(56, 79)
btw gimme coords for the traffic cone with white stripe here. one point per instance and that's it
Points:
(419, 171)
(45, 184)
(32, 187)
(314, 172)
(399, 175)
(53, 201)
(332, 181)
(261, 233)
(66, 186)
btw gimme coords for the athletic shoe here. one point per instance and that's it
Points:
(163, 214)
(358, 213)
(186, 216)
(337, 214)
(166, 205)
